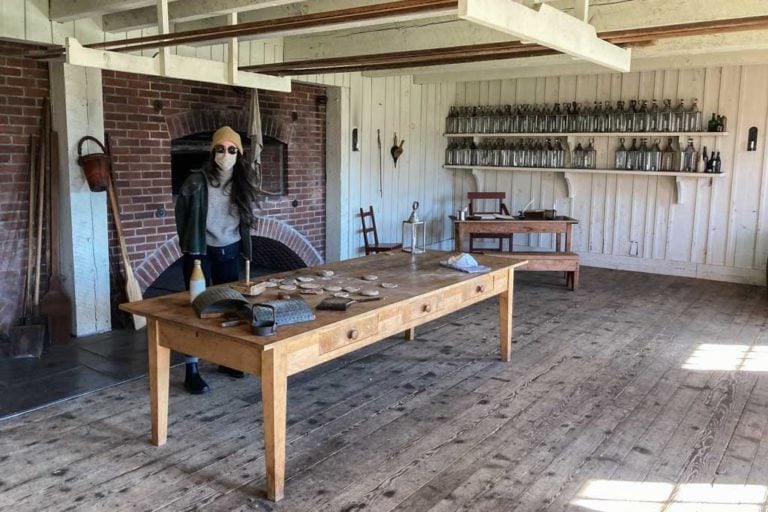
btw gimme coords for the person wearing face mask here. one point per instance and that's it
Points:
(214, 216)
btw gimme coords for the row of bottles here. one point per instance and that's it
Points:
(645, 157)
(549, 153)
(632, 116)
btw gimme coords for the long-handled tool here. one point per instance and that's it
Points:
(27, 337)
(55, 303)
(381, 172)
(132, 288)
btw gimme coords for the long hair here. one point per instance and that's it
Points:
(241, 187)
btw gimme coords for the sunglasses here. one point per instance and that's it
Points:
(232, 150)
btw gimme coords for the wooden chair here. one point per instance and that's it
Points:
(499, 208)
(370, 228)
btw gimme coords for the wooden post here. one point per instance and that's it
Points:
(410, 334)
(505, 317)
(274, 397)
(159, 366)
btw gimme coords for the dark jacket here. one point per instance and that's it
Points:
(191, 211)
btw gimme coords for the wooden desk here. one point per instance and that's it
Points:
(560, 225)
(425, 292)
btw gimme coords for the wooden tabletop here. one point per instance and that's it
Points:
(414, 275)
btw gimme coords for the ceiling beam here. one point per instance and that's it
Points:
(67, 10)
(173, 66)
(185, 10)
(390, 12)
(548, 27)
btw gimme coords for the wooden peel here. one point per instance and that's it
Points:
(55, 303)
(132, 288)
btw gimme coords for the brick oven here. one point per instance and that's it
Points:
(153, 122)
(142, 116)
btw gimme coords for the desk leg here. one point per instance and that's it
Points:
(505, 317)
(410, 334)
(159, 365)
(457, 237)
(568, 237)
(274, 396)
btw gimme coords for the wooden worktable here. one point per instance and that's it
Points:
(425, 292)
(558, 225)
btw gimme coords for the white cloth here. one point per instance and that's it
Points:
(254, 127)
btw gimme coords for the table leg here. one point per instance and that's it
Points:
(159, 365)
(457, 237)
(568, 237)
(274, 397)
(557, 242)
(410, 334)
(505, 317)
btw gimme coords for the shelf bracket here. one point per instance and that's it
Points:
(568, 176)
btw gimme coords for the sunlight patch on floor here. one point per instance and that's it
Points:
(627, 496)
(710, 356)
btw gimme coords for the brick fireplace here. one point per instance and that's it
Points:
(144, 115)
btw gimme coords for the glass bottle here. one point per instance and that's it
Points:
(450, 121)
(712, 124)
(632, 156)
(643, 163)
(678, 119)
(667, 117)
(693, 117)
(619, 117)
(705, 159)
(573, 117)
(196, 281)
(608, 115)
(641, 117)
(559, 155)
(654, 157)
(718, 163)
(630, 116)
(590, 155)
(621, 156)
(722, 123)
(668, 160)
(578, 157)
(450, 153)
(654, 117)
(689, 158)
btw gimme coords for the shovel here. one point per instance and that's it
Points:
(341, 304)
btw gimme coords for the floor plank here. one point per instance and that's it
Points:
(597, 391)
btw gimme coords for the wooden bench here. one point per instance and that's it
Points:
(567, 262)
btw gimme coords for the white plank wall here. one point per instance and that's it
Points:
(720, 231)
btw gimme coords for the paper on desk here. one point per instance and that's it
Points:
(464, 263)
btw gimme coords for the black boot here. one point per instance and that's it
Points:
(193, 382)
(237, 374)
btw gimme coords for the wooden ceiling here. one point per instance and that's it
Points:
(407, 36)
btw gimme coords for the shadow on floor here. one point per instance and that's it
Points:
(87, 364)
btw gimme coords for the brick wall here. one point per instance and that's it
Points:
(142, 114)
(23, 85)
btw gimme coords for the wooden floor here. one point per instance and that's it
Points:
(637, 392)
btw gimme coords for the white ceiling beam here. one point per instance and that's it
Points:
(581, 10)
(232, 49)
(67, 10)
(548, 27)
(185, 10)
(185, 68)
(163, 27)
(605, 15)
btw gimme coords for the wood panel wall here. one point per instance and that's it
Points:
(719, 230)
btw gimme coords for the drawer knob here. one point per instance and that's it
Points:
(427, 308)
(480, 288)
(353, 334)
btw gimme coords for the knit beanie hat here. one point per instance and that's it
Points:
(225, 133)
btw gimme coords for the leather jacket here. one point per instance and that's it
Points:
(191, 210)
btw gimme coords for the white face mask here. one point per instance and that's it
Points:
(225, 161)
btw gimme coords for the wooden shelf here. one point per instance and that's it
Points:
(587, 134)
(681, 178)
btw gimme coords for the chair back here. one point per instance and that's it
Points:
(499, 207)
(369, 227)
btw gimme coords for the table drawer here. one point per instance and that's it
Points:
(481, 287)
(420, 308)
(350, 332)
